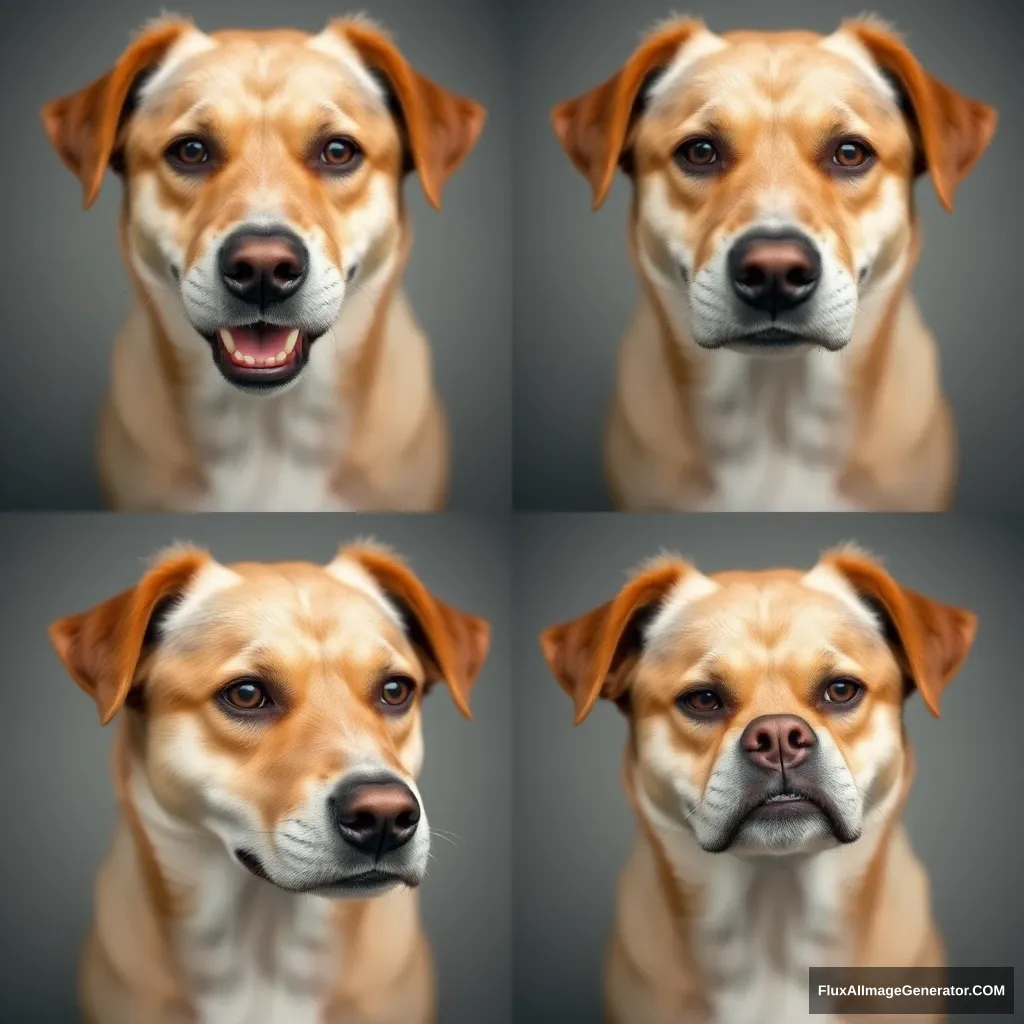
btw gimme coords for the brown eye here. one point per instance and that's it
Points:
(701, 702)
(852, 154)
(842, 691)
(340, 154)
(245, 695)
(396, 693)
(189, 153)
(697, 153)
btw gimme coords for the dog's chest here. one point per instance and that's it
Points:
(775, 432)
(259, 956)
(762, 929)
(270, 453)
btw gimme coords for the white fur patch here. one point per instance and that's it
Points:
(703, 44)
(212, 578)
(829, 581)
(842, 44)
(353, 575)
(332, 44)
(692, 587)
(190, 44)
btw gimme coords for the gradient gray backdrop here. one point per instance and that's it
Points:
(64, 290)
(59, 809)
(575, 286)
(573, 827)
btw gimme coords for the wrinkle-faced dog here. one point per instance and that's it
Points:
(767, 765)
(270, 360)
(271, 834)
(776, 360)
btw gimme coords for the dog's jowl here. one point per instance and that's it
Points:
(767, 766)
(271, 834)
(270, 361)
(776, 360)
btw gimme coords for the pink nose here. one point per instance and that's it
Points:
(777, 742)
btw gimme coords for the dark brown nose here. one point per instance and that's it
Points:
(262, 269)
(777, 742)
(375, 817)
(773, 273)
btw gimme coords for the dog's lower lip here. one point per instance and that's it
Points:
(773, 336)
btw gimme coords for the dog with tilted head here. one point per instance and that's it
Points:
(271, 835)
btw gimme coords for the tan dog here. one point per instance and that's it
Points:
(270, 361)
(767, 765)
(776, 360)
(271, 832)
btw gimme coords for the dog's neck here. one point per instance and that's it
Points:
(753, 925)
(775, 431)
(273, 452)
(245, 950)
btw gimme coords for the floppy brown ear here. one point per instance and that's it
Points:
(592, 128)
(84, 125)
(102, 648)
(954, 129)
(592, 656)
(442, 127)
(454, 643)
(933, 638)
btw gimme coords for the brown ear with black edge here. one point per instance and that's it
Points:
(953, 129)
(83, 126)
(593, 655)
(931, 638)
(102, 648)
(442, 127)
(593, 127)
(453, 643)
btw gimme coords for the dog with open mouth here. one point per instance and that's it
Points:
(767, 765)
(776, 360)
(271, 361)
(271, 833)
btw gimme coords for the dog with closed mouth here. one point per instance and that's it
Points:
(767, 765)
(270, 360)
(776, 360)
(271, 833)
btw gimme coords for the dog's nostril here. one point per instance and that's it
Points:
(286, 272)
(406, 820)
(798, 277)
(753, 277)
(242, 272)
(361, 821)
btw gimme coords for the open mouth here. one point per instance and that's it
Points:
(260, 354)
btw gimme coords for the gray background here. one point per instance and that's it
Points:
(58, 807)
(64, 290)
(570, 809)
(575, 286)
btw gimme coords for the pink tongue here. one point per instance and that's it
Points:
(259, 342)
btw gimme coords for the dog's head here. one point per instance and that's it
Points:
(773, 172)
(262, 174)
(765, 708)
(278, 706)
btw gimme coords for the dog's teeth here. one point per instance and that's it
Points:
(249, 361)
(225, 336)
(290, 343)
(238, 358)
(280, 357)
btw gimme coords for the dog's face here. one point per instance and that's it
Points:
(278, 706)
(765, 708)
(262, 174)
(773, 173)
